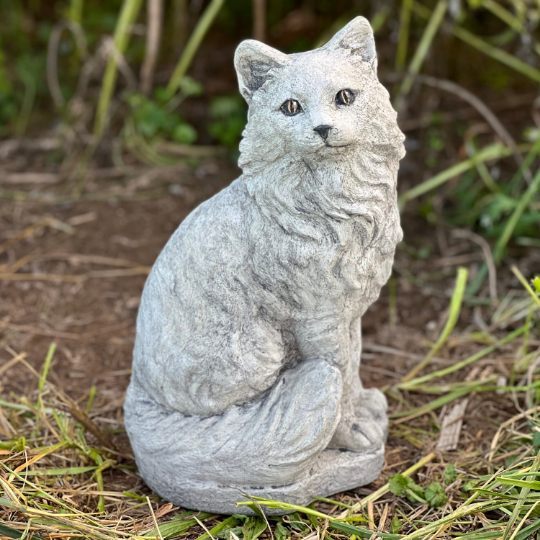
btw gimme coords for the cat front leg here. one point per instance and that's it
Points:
(363, 426)
(368, 401)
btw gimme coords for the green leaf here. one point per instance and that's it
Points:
(296, 522)
(60, 472)
(190, 87)
(184, 134)
(397, 484)
(253, 528)
(435, 495)
(361, 532)
(403, 485)
(536, 284)
(15, 533)
(470, 485)
(226, 524)
(536, 438)
(281, 532)
(226, 533)
(396, 525)
(450, 474)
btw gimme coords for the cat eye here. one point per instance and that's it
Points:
(344, 97)
(291, 107)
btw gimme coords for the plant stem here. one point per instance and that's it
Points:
(524, 282)
(128, 15)
(404, 24)
(422, 51)
(154, 29)
(192, 45)
(493, 151)
(456, 367)
(512, 222)
(497, 53)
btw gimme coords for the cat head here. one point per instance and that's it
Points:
(322, 105)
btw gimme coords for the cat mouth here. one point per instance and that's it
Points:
(336, 145)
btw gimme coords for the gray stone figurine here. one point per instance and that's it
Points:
(246, 362)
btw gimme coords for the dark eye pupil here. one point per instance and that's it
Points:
(345, 97)
(291, 107)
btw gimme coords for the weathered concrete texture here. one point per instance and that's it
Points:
(245, 373)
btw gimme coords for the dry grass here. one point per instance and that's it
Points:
(63, 477)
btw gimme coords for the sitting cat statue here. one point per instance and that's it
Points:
(246, 362)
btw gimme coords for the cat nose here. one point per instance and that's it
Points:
(323, 130)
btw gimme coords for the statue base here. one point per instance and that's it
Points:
(334, 471)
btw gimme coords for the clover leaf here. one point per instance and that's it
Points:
(435, 495)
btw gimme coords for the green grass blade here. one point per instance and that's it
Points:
(515, 217)
(404, 25)
(499, 11)
(453, 316)
(525, 284)
(177, 526)
(501, 244)
(460, 365)
(530, 484)
(66, 471)
(15, 533)
(422, 50)
(192, 45)
(128, 15)
(433, 405)
(493, 151)
(527, 532)
(46, 366)
(361, 532)
(228, 523)
(497, 53)
(520, 502)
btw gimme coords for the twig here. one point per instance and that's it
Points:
(77, 278)
(154, 26)
(29, 145)
(158, 532)
(29, 231)
(30, 178)
(482, 108)
(52, 55)
(64, 335)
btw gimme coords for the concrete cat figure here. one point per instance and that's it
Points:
(245, 374)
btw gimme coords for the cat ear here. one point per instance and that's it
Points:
(253, 60)
(355, 39)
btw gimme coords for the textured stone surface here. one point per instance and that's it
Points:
(245, 374)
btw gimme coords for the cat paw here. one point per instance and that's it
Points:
(373, 403)
(365, 429)
(359, 435)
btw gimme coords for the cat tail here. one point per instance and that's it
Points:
(271, 441)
